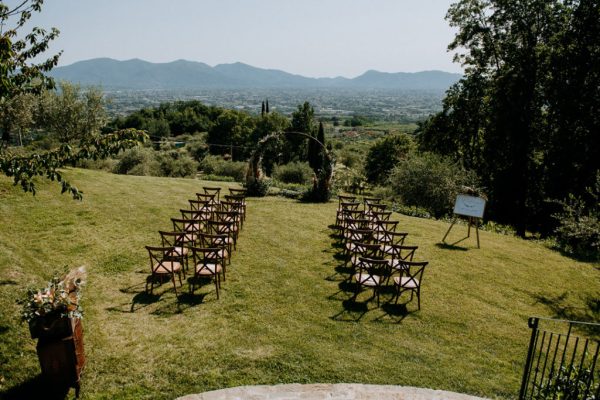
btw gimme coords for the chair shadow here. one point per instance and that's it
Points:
(8, 282)
(396, 311)
(452, 246)
(353, 311)
(35, 388)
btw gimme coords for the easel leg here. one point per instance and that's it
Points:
(448, 231)
(477, 232)
(469, 228)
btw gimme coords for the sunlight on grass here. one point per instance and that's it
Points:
(284, 315)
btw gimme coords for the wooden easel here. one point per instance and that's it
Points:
(472, 221)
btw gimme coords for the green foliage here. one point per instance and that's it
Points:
(176, 163)
(349, 180)
(294, 172)
(578, 232)
(302, 121)
(568, 383)
(217, 166)
(71, 114)
(385, 154)
(231, 128)
(430, 182)
(257, 187)
(523, 116)
(17, 73)
(138, 161)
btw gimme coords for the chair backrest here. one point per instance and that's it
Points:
(191, 226)
(414, 272)
(232, 206)
(211, 240)
(222, 227)
(371, 200)
(384, 225)
(356, 223)
(390, 237)
(374, 267)
(213, 190)
(359, 235)
(345, 199)
(175, 239)
(367, 250)
(210, 198)
(203, 256)
(228, 216)
(159, 256)
(381, 215)
(370, 208)
(236, 198)
(401, 253)
(201, 205)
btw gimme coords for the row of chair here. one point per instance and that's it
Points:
(375, 250)
(205, 233)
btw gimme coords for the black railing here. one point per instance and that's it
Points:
(560, 364)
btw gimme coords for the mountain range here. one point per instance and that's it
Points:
(181, 74)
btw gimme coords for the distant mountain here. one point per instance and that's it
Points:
(182, 74)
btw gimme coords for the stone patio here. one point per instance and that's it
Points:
(338, 391)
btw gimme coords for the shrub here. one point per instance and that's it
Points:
(143, 157)
(215, 165)
(176, 163)
(385, 154)
(294, 172)
(431, 182)
(257, 187)
(578, 232)
(107, 164)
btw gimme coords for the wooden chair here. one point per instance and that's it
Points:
(213, 190)
(240, 200)
(410, 279)
(180, 242)
(345, 210)
(164, 263)
(211, 198)
(397, 255)
(372, 273)
(191, 227)
(220, 241)
(361, 249)
(381, 227)
(208, 263)
(237, 192)
(388, 239)
(233, 206)
(224, 228)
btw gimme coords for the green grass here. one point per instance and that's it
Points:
(283, 315)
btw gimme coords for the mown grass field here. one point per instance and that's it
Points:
(284, 314)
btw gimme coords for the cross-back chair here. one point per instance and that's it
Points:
(208, 263)
(164, 262)
(180, 242)
(213, 190)
(372, 273)
(220, 241)
(410, 279)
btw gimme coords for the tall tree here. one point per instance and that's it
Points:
(19, 74)
(519, 105)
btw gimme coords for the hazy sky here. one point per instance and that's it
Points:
(317, 38)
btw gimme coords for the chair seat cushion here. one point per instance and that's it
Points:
(406, 282)
(368, 280)
(167, 267)
(208, 269)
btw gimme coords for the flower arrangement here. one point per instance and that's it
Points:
(60, 298)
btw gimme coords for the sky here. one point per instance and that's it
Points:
(315, 38)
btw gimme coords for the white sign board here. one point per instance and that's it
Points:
(469, 206)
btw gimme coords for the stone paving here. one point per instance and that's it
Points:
(338, 391)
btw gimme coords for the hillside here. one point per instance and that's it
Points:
(284, 314)
(181, 74)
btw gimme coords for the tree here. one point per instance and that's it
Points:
(523, 114)
(18, 75)
(302, 121)
(384, 155)
(17, 114)
(232, 132)
(70, 115)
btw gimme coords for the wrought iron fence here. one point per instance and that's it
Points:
(560, 363)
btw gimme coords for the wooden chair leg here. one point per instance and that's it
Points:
(174, 284)
(217, 285)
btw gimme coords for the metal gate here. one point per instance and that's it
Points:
(560, 364)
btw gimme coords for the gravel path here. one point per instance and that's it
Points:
(338, 391)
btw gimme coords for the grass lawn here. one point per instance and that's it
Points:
(284, 314)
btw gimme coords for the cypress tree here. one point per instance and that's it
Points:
(262, 111)
(267, 109)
